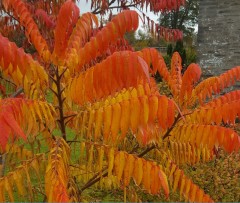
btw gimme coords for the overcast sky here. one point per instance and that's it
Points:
(85, 7)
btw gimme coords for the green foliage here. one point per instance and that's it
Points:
(169, 49)
(143, 39)
(188, 54)
(184, 19)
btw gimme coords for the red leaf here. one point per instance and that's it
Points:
(10, 120)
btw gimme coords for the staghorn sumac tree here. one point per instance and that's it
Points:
(45, 12)
(125, 133)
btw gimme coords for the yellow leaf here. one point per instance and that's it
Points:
(126, 95)
(90, 123)
(90, 158)
(135, 114)
(36, 166)
(44, 111)
(98, 123)
(187, 188)
(116, 116)
(147, 175)
(177, 175)
(144, 111)
(107, 120)
(182, 186)
(37, 109)
(2, 189)
(125, 117)
(193, 155)
(173, 168)
(138, 171)
(8, 187)
(100, 159)
(164, 182)
(82, 152)
(199, 135)
(18, 179)
(206, 134)
(110, 161)
(83, 124)
(134, 93)
(119, 164)
(198, 155)
(153, 107)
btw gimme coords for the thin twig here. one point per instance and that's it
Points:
(95, 179)
(15, 94)
(167, 134)
(96, 11)
(93, 182)
(147, 150)
(11, 15)
(8, 81)
(96, 175)
(134, 148)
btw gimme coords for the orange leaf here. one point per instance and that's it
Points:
(147, 175)
(66, 20)
(164, 182)
(9, 119)
(119, 164)
(135, 114)
(155, 180)
(153, 106)
(128, 169)
(138, 171)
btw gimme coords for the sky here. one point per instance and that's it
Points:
(86, 7)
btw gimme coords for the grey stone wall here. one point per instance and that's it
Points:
(219, 35)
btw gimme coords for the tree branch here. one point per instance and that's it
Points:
(95, 178)
(167, 134)
(8, 81)
(15, 94)
(61, 100)
(96, 11)
(185, 14)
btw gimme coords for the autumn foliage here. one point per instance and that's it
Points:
(123, 132)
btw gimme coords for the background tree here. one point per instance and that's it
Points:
(185, 18)
(141, 39)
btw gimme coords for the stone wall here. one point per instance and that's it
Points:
(219, 35)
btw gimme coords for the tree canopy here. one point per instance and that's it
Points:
(185, 18)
